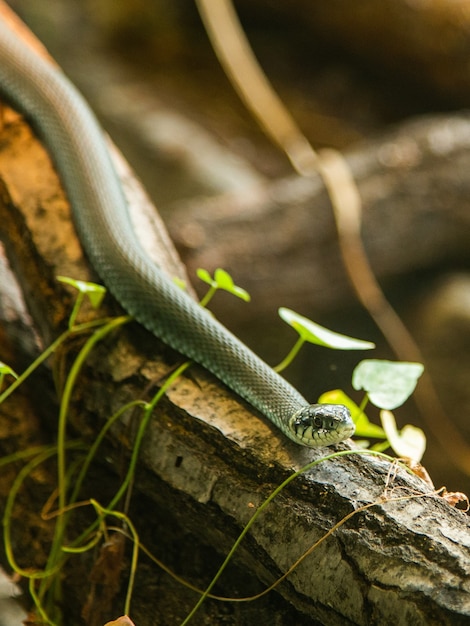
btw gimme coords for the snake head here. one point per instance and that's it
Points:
(319, 425)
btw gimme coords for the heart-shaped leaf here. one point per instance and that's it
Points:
(388, 383)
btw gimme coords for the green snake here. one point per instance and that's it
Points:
(76, 142)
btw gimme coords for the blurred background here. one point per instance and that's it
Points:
(348, 73)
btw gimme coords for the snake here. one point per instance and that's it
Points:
(76, 142)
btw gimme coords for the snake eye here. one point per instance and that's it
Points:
(318, 421)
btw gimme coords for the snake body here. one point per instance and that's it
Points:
(76, 142)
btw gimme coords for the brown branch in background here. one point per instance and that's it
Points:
(241, 66)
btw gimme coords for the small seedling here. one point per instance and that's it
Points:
(220, 280)
(94, 292)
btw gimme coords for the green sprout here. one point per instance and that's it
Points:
(94, 292)
(220, 280)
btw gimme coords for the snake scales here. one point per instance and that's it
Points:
(75, 140)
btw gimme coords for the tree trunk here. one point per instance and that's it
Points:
(208, 461)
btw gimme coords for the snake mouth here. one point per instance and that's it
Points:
(319, 425)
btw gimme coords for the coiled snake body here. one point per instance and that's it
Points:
(76, 143)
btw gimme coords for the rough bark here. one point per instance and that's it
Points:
(208, 460)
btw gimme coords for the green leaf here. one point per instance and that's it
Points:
(388, 383)
(93, 291)
(314, 333)
(241, 293)
(364, 428)
(6, 370)
(409, 443)
(223, 280)
(204, 275)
